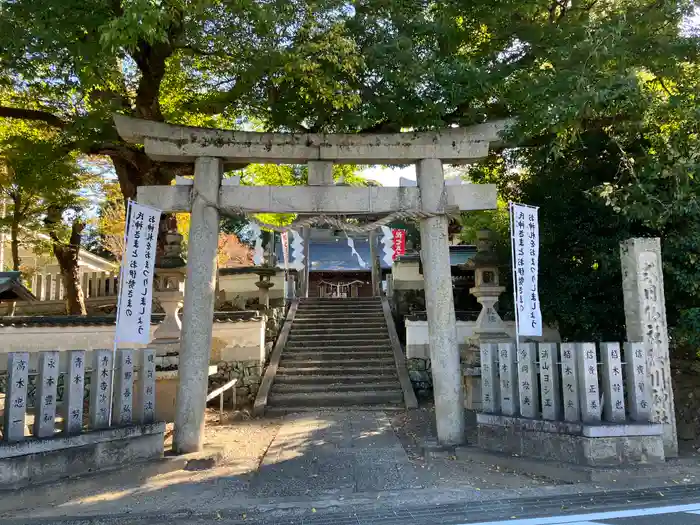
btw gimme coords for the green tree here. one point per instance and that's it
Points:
(41, 183)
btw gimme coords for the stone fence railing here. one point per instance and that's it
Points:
(571, 382)
(49, 287)
(130, 398)
(57, 420)
(570, 403)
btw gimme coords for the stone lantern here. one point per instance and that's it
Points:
(264, 284)
(169, 277)
(489, 325)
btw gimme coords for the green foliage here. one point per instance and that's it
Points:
(39, 178)
(605, 94)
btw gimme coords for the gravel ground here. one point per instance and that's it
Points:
(416, 428)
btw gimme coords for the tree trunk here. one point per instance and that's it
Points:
(14, 242)
(14, 245)
(67, 256)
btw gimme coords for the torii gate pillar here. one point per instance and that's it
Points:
(439, 303)
(198, 308)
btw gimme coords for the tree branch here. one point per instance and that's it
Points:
(33, 114)
(112, 148)
(200, 52)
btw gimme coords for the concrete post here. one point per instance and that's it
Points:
(613, 391)
(123, 401)
(508, 375)
(45, 401)
(198, 310)
(587, 363)
(637, 383)
(73, 390)
(527, 381)
(549, 382)
(376, 268)
(100, 388)
(442, 329)
(16, 396)
(490, 398)
(145, 404)
(569, 381)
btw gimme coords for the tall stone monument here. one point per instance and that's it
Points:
(645, 317)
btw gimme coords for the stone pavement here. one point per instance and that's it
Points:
(303, 464)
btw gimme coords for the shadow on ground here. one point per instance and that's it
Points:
(328, 456)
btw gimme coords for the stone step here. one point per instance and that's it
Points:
(347, 322)
(335, 314)
(337, 332)
(341, 348)
(282, 411)
(330, 335)
(335, 387)
(315, 312)
(315, 399)
(354, 355)
(339, 370)
(341, 300)
(291, 362)
(341, 308)
(329, 343)
(325, 318)
(324, 378)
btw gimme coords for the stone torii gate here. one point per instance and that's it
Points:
(211, 150)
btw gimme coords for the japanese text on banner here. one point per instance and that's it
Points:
(136, 283)
(526, 247)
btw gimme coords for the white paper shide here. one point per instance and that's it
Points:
(526, 250)
(136, 283)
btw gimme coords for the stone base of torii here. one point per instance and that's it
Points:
(211, 150)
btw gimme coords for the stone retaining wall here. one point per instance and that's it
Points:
(421, 377)
(249, 375)
(249, 372)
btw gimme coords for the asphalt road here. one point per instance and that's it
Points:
(677, 505)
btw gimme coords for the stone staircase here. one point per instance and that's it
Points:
(338, 354)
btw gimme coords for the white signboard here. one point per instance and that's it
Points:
(136, 282)
(525, 237)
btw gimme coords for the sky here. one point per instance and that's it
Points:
(389, 176)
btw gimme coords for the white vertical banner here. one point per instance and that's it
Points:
(258, 252)
(387, 245)
(525, 237)
(284, 237)
(136, 282)
(297, 248)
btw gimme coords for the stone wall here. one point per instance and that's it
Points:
(421, 377)
(249, 372)
(249, 375)
(237, 286)
(419, 372)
